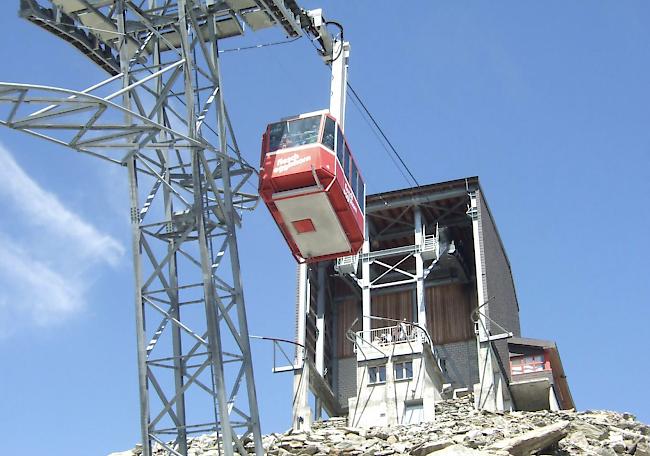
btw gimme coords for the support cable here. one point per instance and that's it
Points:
(259, 46)
(383, 145)
(377, 130)
(383, 135)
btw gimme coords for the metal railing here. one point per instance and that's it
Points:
(398, 334)
(279, 353)
(347, 264)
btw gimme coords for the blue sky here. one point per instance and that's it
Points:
(547, 102)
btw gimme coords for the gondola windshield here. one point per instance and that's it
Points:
(293, 133)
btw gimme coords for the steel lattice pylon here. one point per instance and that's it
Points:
(162, 115)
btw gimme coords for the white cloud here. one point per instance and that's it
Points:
(44, 267)
(44, 209)
(35, 289)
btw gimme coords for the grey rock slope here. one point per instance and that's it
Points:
(461, 430)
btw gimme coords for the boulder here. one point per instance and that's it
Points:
(460, 450)
(533, 441)
(642, 449)
(431, 447)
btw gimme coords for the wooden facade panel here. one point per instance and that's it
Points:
(396, 306)
(449, 309)
(348, 311)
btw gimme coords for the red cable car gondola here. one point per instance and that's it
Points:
(312, 187)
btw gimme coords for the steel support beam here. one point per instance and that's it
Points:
(301, 412)
(339, 84)
(485, 394)
(414, 200)
(420, 302)
(320, 330)
(365, 284)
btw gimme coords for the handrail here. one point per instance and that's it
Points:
(402, 333)
(276, 346)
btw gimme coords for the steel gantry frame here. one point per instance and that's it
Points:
(161, 114)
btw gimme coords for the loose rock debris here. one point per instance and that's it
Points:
(458, 430)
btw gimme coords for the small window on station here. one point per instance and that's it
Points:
(527, 364)
(339, 145)
(355, 176)
(403, 371)
(329, 132)
(376, 375)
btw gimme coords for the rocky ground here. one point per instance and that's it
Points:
(461, 430)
